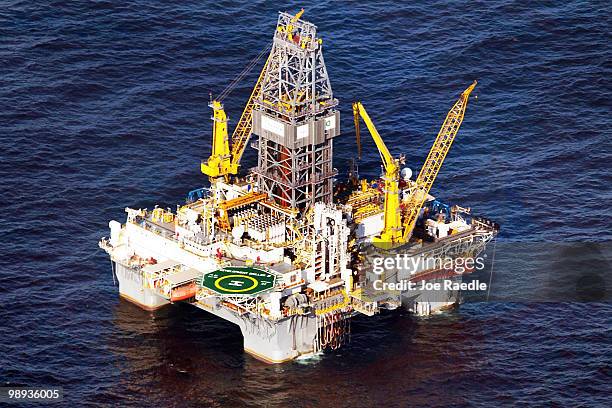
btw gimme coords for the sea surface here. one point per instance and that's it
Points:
(103, 105)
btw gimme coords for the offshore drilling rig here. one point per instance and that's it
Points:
(283, 252)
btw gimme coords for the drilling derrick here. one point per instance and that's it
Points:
(295, 118)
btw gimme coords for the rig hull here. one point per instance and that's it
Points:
(284, 338)
(271, 342)
(131, 288)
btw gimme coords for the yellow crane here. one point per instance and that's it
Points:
(398, 227)
(224, 159)
(219, 162)
(434, 161)
(392, 230)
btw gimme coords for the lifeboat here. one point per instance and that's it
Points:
(183, 292)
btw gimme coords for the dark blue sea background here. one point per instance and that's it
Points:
(103, 105)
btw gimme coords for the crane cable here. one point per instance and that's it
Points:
(228, 90)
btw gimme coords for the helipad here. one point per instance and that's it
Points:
(238, 280)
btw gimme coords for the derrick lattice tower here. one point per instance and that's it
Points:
(295, 118)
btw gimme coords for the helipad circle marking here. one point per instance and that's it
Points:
(253, 286)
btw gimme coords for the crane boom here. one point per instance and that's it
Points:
(391, 234)
(388, 160)
(434, 161)
(244, 128)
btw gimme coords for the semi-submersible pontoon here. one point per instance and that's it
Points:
(284, 252)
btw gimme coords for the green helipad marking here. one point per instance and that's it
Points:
(239, 280)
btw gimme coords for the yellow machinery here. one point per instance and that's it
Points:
(220, 161)
(226, 206)
(393, 234)
(434, 161)
(225, 160)
(392, 230)
(290, 26)
(243, 130)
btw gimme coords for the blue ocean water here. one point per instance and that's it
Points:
(103, 105)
